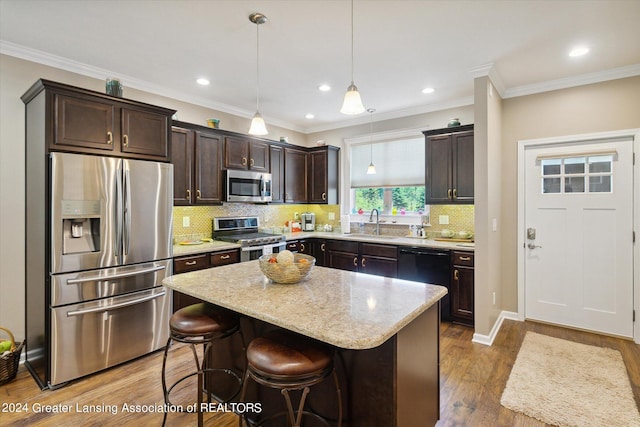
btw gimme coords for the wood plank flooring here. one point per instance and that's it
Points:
(473, 377)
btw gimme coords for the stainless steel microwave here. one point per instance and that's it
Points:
(246, 186)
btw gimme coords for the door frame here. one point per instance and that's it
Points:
(523, 145)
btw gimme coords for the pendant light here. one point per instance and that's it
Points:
(352, 102)
(258, 127)
(371, 170)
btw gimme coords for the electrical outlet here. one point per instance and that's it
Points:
(443, 219)
(186, 221)
(332, 216)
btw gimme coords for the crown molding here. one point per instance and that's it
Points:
(568, 82)
(44, 58)
(488, 70)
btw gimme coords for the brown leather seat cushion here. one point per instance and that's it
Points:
(282, 352)
(202, 319)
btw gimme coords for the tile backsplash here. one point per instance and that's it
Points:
(461, 218)
(200, 225)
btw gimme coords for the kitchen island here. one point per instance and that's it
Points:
(386, 331)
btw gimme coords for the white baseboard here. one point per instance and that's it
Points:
(488, 339)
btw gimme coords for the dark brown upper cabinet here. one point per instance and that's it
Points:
(323, 175)
(85, 121)
(449, 165)
(197, 160)
(246, 153)
(276, 154)
(296, 174)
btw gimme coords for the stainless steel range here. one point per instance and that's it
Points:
(244, 230)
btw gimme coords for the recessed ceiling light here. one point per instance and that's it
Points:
(428, 90)
(579, 51)
(324, 88)
(309, 116)
(202, 81)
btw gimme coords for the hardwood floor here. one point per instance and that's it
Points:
(472, 379)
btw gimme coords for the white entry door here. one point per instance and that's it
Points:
(579, 243)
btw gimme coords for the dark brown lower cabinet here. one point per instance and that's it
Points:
(462, 288)
(188, 263)
(371, 258)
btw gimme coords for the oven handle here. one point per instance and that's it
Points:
(115, 306)
(261, 247)
(115, 276)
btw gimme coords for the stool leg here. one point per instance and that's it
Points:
(295, 418)
(339, 394)
(245, 382)
(164, 379)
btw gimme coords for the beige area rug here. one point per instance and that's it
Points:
(564, 383)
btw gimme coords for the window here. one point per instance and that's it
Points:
(398, 185)
(588, 174)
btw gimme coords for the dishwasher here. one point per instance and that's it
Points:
(430, 266)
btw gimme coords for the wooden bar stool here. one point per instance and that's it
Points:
(196, 324)
(288, 361)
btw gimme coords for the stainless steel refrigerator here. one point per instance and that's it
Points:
(95, 264)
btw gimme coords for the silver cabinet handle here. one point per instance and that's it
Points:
(190, 262)
(355, 261)
(455, 275)
(225, 256)
(115, 306)
(126, 140)
(465, 258)
(109, 138)
(322, 246)
(363, 263)
(324, 196)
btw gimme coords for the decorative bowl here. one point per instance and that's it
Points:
(286, 273)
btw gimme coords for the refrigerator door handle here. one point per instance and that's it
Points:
(114, 276)
(115, 306)
(126, 211)
(118, 215)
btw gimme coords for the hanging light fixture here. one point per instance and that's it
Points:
(258, 127)
(371, 170)
(352, 102)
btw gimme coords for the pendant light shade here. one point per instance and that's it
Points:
(258, 126)
(371, 170)
(352, 103)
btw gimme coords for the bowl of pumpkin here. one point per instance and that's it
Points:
(286, 267)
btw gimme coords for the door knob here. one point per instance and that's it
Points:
(532, 246)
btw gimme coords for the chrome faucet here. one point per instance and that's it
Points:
(377, 220)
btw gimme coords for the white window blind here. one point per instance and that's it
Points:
(398, 164)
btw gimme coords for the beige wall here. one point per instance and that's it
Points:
(598, 107)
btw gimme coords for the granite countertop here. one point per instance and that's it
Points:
(181, 250)
(346, 309)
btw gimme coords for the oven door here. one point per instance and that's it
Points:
(250, 253)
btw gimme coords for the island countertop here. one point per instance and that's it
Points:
(346, 309)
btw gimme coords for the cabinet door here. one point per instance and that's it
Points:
(236, 153)
(319, 251)
(318, 177)
(295, 175)
(462, 168)
(305, 246)
(208, 183)
(259, 156)
(342, 260)
(277, 173)
(182, 160)
(387, 267)
(81, 122)
(462, 299)
(438, 170)
(145, 134)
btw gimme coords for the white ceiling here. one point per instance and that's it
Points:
(400, 47)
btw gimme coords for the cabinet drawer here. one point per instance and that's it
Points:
(386, 251)
(342, 246)
(190, 263)
(292, 246)
(463, 258)
(224, 258)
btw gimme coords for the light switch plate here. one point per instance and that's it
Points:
(186, 221)
(332, 216)
(443, 219)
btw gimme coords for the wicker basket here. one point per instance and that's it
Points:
(9, 362)
(287, 273)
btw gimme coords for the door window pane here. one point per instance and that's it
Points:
(575, 165)
(574, 184)
(551, 166)
(551, 185)
(600, 164)
(600, 184)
